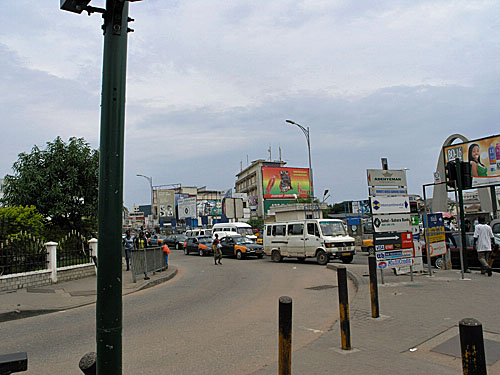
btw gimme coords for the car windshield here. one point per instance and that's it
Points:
(332, 228)
(245, 231)
(243, 240)
(205, 240)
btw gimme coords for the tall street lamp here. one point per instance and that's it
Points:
(150, 179)
(306, 133)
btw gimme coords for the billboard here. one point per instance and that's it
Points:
(166, 203)
(282, 182)
(187, 208)
(483, 155)
(209, 207)
(383, 177)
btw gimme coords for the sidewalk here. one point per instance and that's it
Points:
(417, 332)
(22, 303)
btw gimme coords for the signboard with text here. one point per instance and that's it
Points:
(434, 231)
(390, 205)
(392, 241)
(187, 208)
(375, 191)
(382, 177)
(391, 223)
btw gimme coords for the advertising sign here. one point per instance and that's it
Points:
(281, 182)
(187, 208)
(392, 223)
(390, 205)
(435, 234)
(483, 155)
(166, 203)
(392, 241)
(374, 191)
(209, 207)
(394, 254)
(382, 177)
(392, 263)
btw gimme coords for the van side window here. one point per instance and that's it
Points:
(295, 229)
(280, 230)
(312, 228)
(269, 228)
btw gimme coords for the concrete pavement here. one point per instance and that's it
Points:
(417, 332)
(22, 303)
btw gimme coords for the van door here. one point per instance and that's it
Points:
(295, 240)
(312, 239)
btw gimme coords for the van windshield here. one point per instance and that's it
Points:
(208, 232)
(245, 231)
(332, 228)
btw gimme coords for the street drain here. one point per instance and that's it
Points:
(322, 287)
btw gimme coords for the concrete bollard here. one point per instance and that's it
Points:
(88, 363)
(285, 336)
(472, 347)
(372, 266)
(345, 330)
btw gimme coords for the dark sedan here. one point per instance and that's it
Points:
(455, 249)
(175, 241)
(201, 245)
(241, 247)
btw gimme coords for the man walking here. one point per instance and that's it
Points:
(483, 237)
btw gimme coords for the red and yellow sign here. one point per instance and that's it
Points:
(281, 182)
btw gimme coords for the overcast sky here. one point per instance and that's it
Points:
(211, 83)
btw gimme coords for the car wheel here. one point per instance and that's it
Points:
(239, 255)
(322, 257)
(201, 253)
(186, 251)
(371, 250)
(439, 263)
(260, 256)
(276, 256)
(347, 260)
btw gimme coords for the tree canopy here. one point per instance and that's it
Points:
(15, 220)
(61, 181)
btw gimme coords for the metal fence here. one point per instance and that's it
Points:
(147, 260)
(22, 253)
(73, 249)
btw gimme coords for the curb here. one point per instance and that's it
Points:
(355, 278)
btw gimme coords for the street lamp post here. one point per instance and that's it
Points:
(306, 133)
(150, 180)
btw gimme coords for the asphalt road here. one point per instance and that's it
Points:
(207, 320)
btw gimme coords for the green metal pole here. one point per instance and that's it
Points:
(109, 270)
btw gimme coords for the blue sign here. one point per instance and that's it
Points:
(434, 220)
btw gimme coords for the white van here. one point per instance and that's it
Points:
(323, 239)
(198, 232)
(233, 229)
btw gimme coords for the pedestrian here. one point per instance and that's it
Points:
(166, 251)
(140, 241)
(128, 245)
(483, 237)
(216, 246)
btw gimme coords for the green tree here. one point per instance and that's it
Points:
(15, 220)
(61, 181)
(256, 222)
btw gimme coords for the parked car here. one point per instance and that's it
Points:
(201, 245)
(495, 226)
(241, 247)
(175, 241)
(157, 239)
(472, 260)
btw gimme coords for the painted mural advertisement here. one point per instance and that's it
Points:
(484, 158)
(166, 203)
(282, 182)
(209, 207)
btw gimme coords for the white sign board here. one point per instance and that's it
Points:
(390, 205)
(374, 191)
(437, 248)
(187, 208)
(382, 177)
(392, 263)
(392, 223)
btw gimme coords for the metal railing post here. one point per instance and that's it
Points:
(372, 266)
(472, 347)
(345, 331)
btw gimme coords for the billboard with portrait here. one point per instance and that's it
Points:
(166, 203)
(483, 155)
(282, 182)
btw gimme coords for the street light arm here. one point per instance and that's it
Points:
(304, 130)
